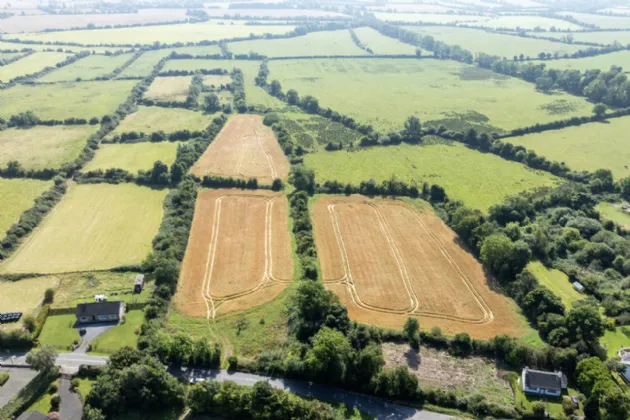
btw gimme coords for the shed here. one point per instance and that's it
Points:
(100, 312)
(138, 284)
(578, 286)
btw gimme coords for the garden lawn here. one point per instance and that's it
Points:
(598, 145)
(602, 62)
(616, 340)
(384, 92)
(94, 227)
(25, 295)
(143, 66)
(17, 196)
(87, 68)
(31, 64)
(122, 335)
(149, 119)
(44, 147)
(479, 180)
(556, 281)
(381, 44)
(64, 100)
(169, 89)
(42, 404)
(59, 332)
(85, 386)
(609, 211)
(133, 157)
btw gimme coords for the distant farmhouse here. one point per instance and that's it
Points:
(100, 312)
(538, 382)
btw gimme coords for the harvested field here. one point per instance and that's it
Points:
(169, 89)
(245, 148)
(387, 261)
(238, 255)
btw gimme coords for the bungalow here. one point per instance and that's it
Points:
(100, 312)
(538, 382)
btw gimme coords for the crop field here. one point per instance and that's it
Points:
(169, 88)
(604, 22)
(428, 18)
(382, 44)
(143, 66)
(327, 43)
(168, 34)
(31, 64)
(313, 132)
(87, 68)
(63, 100)
(87, 230)
(17, 196)
(556, 281)
(587, 147)
(149, 119)
(384, 92)
(481, 41)
(25, 295)
(602, 62)
(43, 147)
(614, 212)
(388, 260)
(245, 148)
(526, 23)
(239, 253)
(479, 180)
(133, 157)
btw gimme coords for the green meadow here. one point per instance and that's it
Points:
(604, 22)
(198, 50)
(149, 119)
(602, 62)
(609, 211)
(17, 196)
(132, 157)
(604, 38)
(524, 22)
(382, 44)
(479, 180)
(427, 17)
(31, 64)
(556, 281)
(87, 68)
(143, 66)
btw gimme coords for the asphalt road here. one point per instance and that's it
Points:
(18, 379)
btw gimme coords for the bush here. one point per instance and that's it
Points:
(232, 363)
(53, 388)
(49, 295)
(74, 384)
(4, 377)
(29, 323)
(54, 403)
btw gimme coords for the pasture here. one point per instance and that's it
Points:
(143, 66)
(381, 44)
(245, 148)
(64, 100)
(428, 18)
(17, 196)
(603, 38)
(325, 43)
(602, 62)
(149, 119)
(313, 132)
(207, 64)
(384, 92)
(31, 64)
(169, 89)
(166, 34)
(215, 80)
(87, 68)
(25, 295)
(524, 22)
(273, 13)
(239, 253)
(132, 157)
(556, 281)
(603, 22)
(388, 260)
(94, 227)
(481, 41)
(43, 147)
(198, 50)
(480, 180)
(614, 212)
(587, 147)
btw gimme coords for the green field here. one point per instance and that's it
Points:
(557, 282)
(132, 157)
(325, 43)
(42, 403)
(381, 44)
(25, 295)
(526, 23)
(615, 340)
(602, 62)
(149, 119)
(124, 334)
(217, 80)
(42, 146)
(384, 92)
(87, 68)
(167, 34)
(428, 18)
(609, 211)
(604, 38)
(143, 66)
(64, 100)
(31, 64)
(479, 180)
(604, 22)
(10, 56)
(481, 41)
(94, 227)
(169, 89)
(587, 147)
(313, 132)
(199, 50)
(17, 196)
(59, 332)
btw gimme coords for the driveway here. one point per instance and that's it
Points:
(92, 331)
(70, 407)
(18, 379)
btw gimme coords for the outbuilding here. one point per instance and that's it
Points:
(578, 286)
(138, 284)
(100, 312)
(538, 382)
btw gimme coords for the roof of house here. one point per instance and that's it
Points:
(540, 379)
(98, 308)
(33, 415)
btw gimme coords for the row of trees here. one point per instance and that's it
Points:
(238, 90)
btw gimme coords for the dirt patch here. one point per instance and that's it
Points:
(245, 148)
(238, 255)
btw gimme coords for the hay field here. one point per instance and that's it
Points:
(602, 62)
(17, 196)
(481, 41)
(64, 100)
(387, 261)
(480, 180)
(169, 89)
(245, 148)
(587, 147)
(167, 34)
(428, 18)
(325, 43)
(133, 157)
(25, 295)
(382, 44)
(149, 119)
(604, 22)
(87, 68)
(239, 253)
(43, 147)
(94, 227)
(144, 65)
(31, 64)
(384, 92)
(556, 281)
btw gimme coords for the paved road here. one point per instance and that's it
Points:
(18, 379)
(67, 360)
(70, 407)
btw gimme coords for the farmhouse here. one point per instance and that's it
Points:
(100, 312)
(538, 382)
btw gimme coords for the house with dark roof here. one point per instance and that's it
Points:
(100, 312)
(538, 382)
